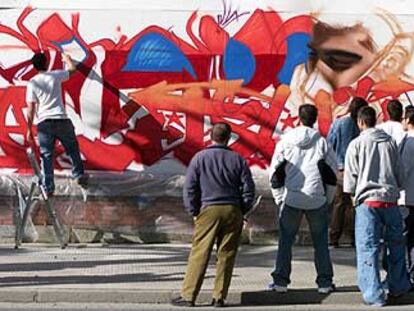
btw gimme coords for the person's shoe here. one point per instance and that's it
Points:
(219, 303)
(334, 244)
(326, 290)
(83, 180)
(277, 288)
(181, 302)
(49, 195)
(380, 303)
(376, 304)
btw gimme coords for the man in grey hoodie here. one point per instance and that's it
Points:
(303, 183)
(374, 176)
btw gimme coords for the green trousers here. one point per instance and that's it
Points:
(221, 224)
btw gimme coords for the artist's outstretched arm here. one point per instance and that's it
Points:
(70, 65)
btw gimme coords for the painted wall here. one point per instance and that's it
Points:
(151, 80)
(154, 75)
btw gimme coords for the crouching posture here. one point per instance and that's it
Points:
(303, 183)
(218, 190)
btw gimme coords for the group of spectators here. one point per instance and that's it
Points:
(362, 168)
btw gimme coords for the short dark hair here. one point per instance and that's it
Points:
(356, 104)
(39, 61)
(308, 114)
(395, 110)
(409, 114)
(368, 116)
(221, 132)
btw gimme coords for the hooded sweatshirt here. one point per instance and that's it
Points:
(406, 152)
(300, 151)
(394, 129)
(373, 169)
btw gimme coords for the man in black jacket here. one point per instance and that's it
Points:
(218, 190)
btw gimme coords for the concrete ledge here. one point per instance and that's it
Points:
(305, 296)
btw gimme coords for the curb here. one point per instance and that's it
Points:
(304, 296)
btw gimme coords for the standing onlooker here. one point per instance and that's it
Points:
(374, 174)
(393, 126)
(218, 190)
(341, 133)
(44, 97)
(301, 158)
(407, 151)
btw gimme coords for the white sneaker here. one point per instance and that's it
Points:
(277, 288)
(326, 290)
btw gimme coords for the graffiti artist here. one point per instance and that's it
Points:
(44, 98)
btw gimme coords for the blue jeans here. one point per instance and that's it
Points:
(409, 233)
(48, 132)
(289, 222)
(370, 225)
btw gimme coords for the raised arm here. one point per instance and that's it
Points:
(70, 65)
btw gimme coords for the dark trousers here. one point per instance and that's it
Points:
(48, 132)
(221, 224)
(289, 222)
(342, 218)
(409, 233)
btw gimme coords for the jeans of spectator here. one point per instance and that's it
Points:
(342, 219)
(370, 225)
(289, 222)
(409, 234)
(62, 130)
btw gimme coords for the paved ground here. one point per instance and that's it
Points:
(142, 307)
(153, 274)
(156, 267)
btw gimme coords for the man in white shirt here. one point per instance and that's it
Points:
(407, 151)
(44, 97)
(393, 126)
(303, 181)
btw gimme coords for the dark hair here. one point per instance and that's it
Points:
(368, 116)
(356, 104)
(39, 61)
(308, 114)
(395, 110)
(409, 114)
(221, 132)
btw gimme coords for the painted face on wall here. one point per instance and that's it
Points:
(341, 54)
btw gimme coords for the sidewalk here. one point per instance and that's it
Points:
(153, 274)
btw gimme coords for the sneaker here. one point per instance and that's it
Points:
(334, 244)
(376, 304)
(219, 303)
(83, 180)
(277, 288)
(181, 302)
(326, 290)
(49, 195)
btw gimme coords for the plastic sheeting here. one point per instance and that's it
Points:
(147, 205)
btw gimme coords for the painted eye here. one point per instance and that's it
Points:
(339, 60)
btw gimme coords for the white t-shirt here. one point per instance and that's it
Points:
(45, 89)
(394, 129)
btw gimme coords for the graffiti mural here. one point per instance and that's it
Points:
(142, 96)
